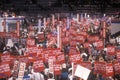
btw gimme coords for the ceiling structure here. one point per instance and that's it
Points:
(51, 6)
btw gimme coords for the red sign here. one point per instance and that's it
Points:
(84, 34)
(117, 67)
(87, 65)
(75, 58)
(99, 44)
(86, 45)
(41, 37)
(4, 70)
(99, 67)
(111, 50)
(93, 38)
(118, 54)
(73, 50)
(109, 70)
(57, 69)
(80, 38)
(61, 58)
(38, 66)
(73, 43)
(30, 42)
(32, 51)
(65, 40)
(5, 58)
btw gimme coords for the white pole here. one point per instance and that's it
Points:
(18, 28)
(72, 70)
(85, 15)
(53, 19)
(44, 22)
(77, 17)
(39, 25)
(59, 36)
(81, 17)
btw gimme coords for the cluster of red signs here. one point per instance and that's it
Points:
(107, 69)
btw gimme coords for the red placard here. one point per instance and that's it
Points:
(118, 54)
(56, 51)
(57, 68)
(93, 38)
(32, 51)
(73, 32)
(111, 50)
(23, 59)
(31, 59)
(41, 37)
(73, 50)
(38, 65)
(61, 58)
(100, 67)
(96, 67)
(46, 55)
(75, 58)
(84, 34)
(30, 42)
(40, 52)
(86, 45)
(87, 65)
(73, 43)
(5, 58)
(109, 69)
(117, 67)
(99, 44)
(51, 56)
(80, 38)
(4, 70)
(65, 40)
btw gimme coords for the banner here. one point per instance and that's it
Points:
(4, 70)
